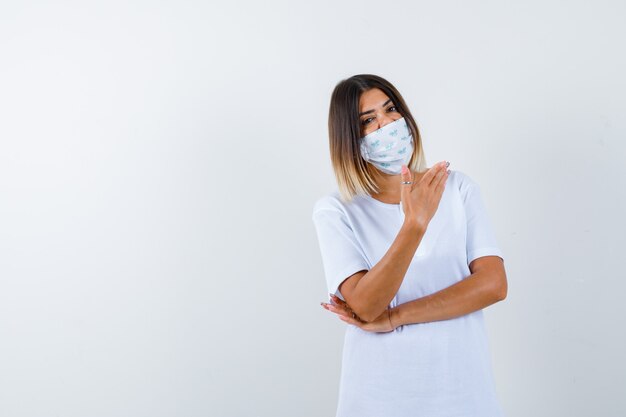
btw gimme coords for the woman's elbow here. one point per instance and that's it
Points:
(366, 317)
(368, 314)
(362, 312)
(501, 290)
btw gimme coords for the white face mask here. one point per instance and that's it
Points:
(388, 147)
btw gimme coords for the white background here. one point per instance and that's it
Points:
(159, 162)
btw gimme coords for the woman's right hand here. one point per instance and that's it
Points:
(421, 199)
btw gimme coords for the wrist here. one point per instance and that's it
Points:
(413, 226)
(395, 317)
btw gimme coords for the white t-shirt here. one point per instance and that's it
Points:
(440, 368)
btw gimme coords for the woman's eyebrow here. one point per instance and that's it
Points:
(372, 111)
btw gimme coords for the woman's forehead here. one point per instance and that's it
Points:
(372, 99)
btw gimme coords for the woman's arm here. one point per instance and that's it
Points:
(485, 286)
(369, 293)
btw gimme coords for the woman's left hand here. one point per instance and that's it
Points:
(345, 313)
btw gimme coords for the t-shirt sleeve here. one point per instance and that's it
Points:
(481, 239)
(342, 255)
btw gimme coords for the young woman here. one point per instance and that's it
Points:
(410, 260)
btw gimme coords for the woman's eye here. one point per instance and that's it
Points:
(392, 108)
(366, 121)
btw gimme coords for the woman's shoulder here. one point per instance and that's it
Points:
(330, 201)
(334, 201)
(463, 184)
(460, 179)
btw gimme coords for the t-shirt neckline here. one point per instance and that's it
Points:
(381, 204)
